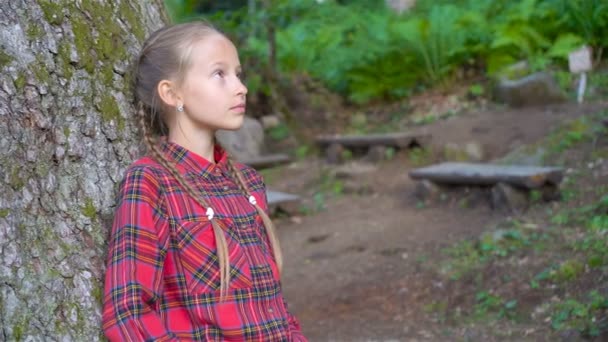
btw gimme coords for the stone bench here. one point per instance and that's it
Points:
(266, 161)
(283, 201)
(510, 184)
(373, 144)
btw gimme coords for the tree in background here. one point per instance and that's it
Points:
(66, 135)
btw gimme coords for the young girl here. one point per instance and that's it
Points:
(193, 254)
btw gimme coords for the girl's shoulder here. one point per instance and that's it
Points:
(145, 168)
(252, 177)
(146, 164)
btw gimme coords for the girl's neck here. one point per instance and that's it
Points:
(201, 143)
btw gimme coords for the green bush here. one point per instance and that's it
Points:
(365, 52)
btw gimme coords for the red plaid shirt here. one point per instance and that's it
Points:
(163, 279)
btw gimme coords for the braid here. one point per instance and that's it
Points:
(270, 229)
(220, 239)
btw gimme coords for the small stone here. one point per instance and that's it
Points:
(353, 169)
(570, 335)
(59, 152)
(31, 155)
(270, 121)
(356, 187)
(427, 190)
(334, 153)
(376, 154)
(550, 193)
(508, 198)
(474, 151)
(295, 220)
(471, 151)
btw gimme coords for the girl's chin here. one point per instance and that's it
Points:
(235, 124)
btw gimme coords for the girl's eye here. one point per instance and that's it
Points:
(218, 73)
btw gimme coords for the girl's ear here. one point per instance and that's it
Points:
(168, 93)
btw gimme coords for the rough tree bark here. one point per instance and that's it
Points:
(66, 136)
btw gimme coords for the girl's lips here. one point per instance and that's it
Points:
(239, 108)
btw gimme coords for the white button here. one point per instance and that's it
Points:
(210, 213)
(225, 187)
(270, 310)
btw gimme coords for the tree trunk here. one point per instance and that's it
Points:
(66, 135)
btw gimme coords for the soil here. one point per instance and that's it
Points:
(357, 264)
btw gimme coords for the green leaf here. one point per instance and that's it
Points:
(564, 45)
(512, 304)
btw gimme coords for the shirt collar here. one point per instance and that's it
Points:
(188, 161)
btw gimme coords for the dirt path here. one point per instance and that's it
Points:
(356, 270)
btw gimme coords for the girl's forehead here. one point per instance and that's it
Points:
(214, 49)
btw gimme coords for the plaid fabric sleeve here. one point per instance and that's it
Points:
(135, 261)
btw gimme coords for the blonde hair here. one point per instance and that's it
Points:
(166, 55)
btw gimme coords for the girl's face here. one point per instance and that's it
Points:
(212, 92)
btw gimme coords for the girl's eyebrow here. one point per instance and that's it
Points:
(218, 64)
(223, 64)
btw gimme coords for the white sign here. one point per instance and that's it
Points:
(580, 60)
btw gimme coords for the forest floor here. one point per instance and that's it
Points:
(368, 261)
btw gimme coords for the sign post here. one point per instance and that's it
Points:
(580, 62)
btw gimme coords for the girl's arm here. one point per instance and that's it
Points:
(135, 262)
(294, 326)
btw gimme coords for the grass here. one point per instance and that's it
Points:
(469, 256)
(557, 253)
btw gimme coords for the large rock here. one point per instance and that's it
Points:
(245, 143)
(536, 89)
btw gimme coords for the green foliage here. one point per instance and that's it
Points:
(568, 270)
(476, 90)
(588, 317)
(587, 19)
(469, 255)
(372, 54)
(5, 59)
(390, 153)
(88, 209)
(437, 40)
(487, 302)
(303, 151)
(566, 137)
(564, 44)
(279, 132)
(356, 55)
(594, 242)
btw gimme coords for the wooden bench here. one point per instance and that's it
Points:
(510, 184)
(335, 144)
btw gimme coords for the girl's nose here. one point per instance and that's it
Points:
(241, 89)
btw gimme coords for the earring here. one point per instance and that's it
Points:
(180, 107)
